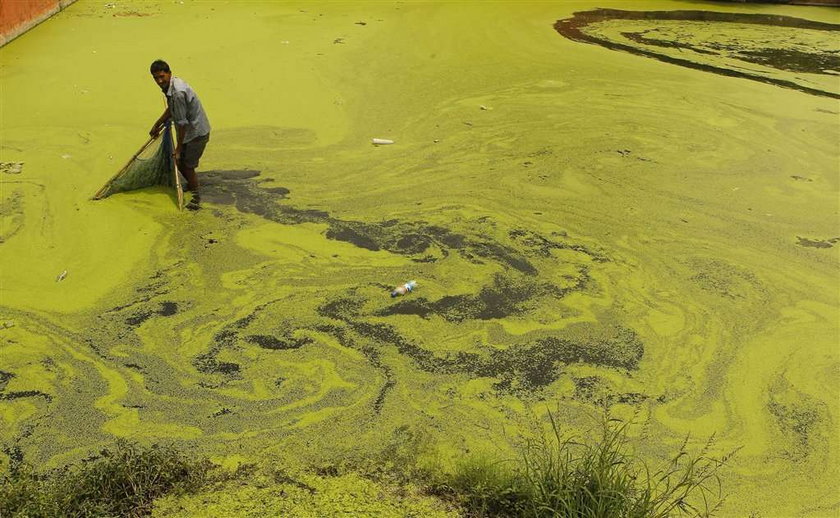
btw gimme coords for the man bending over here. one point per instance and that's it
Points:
(191, 125)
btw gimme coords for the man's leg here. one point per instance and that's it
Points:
(190, 155)
(192, 178)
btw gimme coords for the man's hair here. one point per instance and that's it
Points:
(159, 65)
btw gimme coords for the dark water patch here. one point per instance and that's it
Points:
(792, 60)
(797, 423)
(12, 208)
(534, 365)
(413, 243)
(726, 280)
(228, 368)
(799, 417)
(578, 282)
(387, 335)
(594, 389)
(221, 412)
(239, 189)
(505, 297)
(342, 308)
(539, 245)
(8, 396)
(817, 243)
(227, 338)
(4, 379)
(415, 239)
(278, 342)
(155, 286)
(781, 59)
(419, 306)
(386, 387)
(97, 347)
(207, 363)
(500, 253)
(630, 398)
(340, 333)
(15, 454)
(281, 191)
(346, 309)
(138, 318)
(521, 368)
(280, 477)
(344, 335)
(353, 233)
(166, 309)
(639, 37)
(588, 388)
(580, 28)
(158, 282)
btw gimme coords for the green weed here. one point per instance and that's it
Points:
(560, 477)
(123, 481)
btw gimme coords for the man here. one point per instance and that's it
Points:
(192, 128)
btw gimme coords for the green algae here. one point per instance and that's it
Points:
(305, 496)
(612, 229)
(781, 50)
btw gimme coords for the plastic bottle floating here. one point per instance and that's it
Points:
(405, 288)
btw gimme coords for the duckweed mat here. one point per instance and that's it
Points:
(588, 228)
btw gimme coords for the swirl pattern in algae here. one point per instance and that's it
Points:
(587, 227)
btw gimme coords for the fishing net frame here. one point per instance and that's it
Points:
(147, 169)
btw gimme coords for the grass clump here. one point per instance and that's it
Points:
(559, 477)
(122, 481)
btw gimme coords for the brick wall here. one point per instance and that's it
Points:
(18, 16)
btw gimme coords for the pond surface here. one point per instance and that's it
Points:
(587, 226)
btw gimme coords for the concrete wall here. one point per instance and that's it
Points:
(18, 16)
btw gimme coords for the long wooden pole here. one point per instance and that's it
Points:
(178, 189)
(101, 192)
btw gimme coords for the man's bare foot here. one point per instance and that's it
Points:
(195, 201)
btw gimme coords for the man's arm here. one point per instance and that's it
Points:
(158, 125)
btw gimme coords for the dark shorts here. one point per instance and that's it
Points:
(191, 152)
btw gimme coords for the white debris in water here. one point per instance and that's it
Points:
(11, 167)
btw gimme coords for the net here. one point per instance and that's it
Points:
(151, 165)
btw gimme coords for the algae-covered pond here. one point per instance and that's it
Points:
(637, 210)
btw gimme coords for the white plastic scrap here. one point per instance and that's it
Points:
(11, 167)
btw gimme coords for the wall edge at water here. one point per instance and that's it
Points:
(17, 29)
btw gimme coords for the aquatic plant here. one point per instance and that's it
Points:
(559, 476)
(120, 481)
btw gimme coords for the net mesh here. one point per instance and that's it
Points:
(152, 165)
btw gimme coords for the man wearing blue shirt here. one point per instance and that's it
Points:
(192, 128)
